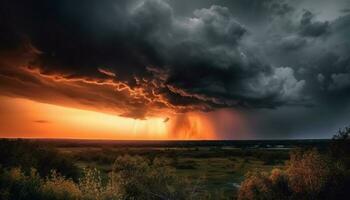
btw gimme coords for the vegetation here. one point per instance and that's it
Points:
(27, 155)
(308, 175)
(133, 178)
(30, 170)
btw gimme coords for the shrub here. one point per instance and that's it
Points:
(92, 187)
(131, 178)
(308, 175)
(26, 155)
(256, 186)
(91, 184)
(57, 187)
(279, 183)
(16, 185)
(142, 179)
(340, 146)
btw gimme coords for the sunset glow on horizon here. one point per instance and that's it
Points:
(40, 120)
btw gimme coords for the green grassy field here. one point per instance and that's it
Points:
(216, 169)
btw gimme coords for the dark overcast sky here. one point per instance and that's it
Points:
(283, 65)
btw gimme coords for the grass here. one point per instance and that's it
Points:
(218, 169)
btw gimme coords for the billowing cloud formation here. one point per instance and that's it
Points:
(139, 58)
(310, 28)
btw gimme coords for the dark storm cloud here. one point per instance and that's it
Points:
(140, 56)
(320, 56)
(292, 43)
(312, 28)
(330, 61)
(201, 55)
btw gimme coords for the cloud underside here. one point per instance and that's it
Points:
(142, 58)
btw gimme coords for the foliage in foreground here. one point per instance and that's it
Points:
(27, 155)
(131, 178)
(308, 175)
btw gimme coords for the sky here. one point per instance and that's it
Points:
(174, 69)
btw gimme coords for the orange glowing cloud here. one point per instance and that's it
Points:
(36, 102)
(30, 119)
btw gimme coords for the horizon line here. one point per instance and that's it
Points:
(160, 140)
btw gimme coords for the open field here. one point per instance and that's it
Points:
(219, 166)
(178, 169)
